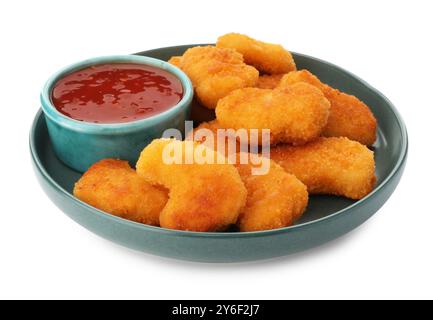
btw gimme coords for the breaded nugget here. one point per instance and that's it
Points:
(266, 57)
(215, 72)
(335, 166)
(269, 81)
(294, 115)
(213, 126)
(202, 197)
(114, 187)
(231, 144)
(175, 60)
(349, 117)
(274, 200)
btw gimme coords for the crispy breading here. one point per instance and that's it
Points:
(269, 81)
(337, 166)
(215, 72)
(114, 187)
(349, 117)
(231, 144)
(202, 197)
(212, 125)
(274, 200)
(175, 60)
(266, 57)
(294, 115)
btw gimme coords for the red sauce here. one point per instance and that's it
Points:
(118, 92)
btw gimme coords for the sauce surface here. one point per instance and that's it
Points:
(116, 93)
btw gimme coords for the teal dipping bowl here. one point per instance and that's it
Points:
(79, 144)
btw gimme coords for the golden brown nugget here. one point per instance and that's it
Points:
(202, 197)
(349, 117)
(231, 144)
(269, 81)
(212, 125)
(335, 166)
(266, 57)
(274, 200)
(294, 115)
(114, 187)
(175, 60)
(215, 72)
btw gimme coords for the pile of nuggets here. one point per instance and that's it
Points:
(319, 140)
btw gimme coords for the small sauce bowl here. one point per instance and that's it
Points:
(79, 144)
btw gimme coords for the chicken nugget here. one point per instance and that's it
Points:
(175, 60)
(215, 72)
(224, 141)
(266, 57)
(269, 81)
(202, 196)
(204, 54)
(294, 115)
(274, 200)
(213, 126)
(114, 187)
(333, 165)
(349, 117)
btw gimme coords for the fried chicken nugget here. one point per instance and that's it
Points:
(175, 60)
(114, 187)
(349, 117)
(274, 200)
(266, 57)
(215, 72)
(231, 144)
(213, 126)
(335, 166)
(294, 115)
(202, 197)
(269, 81)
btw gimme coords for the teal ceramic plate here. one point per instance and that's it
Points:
(327, 217)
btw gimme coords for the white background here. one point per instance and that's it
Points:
(44, 254)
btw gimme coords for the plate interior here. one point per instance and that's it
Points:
(386, 147)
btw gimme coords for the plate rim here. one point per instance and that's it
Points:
(250, 234)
